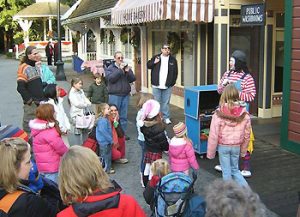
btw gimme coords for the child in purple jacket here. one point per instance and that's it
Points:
(181, 152)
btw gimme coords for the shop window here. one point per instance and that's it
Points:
(280, 20)
(279, 62)
(91, 41)
(105, 44)
(187, 59)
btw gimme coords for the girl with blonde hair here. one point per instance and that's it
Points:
(16, 198)
(159, 169)
(230, 133)
(86, 188)
(104, 135)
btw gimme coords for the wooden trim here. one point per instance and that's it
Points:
(285, 136)
(179, 91)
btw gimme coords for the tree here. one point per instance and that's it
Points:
(8, 9)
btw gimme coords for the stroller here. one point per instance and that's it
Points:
(173, 195)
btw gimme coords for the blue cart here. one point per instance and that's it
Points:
(199, 104)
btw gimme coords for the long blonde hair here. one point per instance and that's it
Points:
(80, 174)
(100, 110)
(12, 151)
(229, 96)
(160, 167)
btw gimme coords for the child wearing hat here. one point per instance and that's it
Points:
(181, 152)
(155, 136)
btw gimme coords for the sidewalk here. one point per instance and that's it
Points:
(276, 176)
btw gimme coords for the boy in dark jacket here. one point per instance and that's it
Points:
(97, 92)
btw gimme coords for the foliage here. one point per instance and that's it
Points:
(174, 42)
(111, 37)
(135, 38)
(76, 37)
(10, 8)
(18, 37)
(124, 35)
(9, 54)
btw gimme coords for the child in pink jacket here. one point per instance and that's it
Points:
(181, 152)
(230, 133)
(48, 146)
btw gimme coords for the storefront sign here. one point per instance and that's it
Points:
(133, 17)
(253, 15)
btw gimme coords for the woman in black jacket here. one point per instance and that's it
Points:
(16, 199)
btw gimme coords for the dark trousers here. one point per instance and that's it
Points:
(49, 59)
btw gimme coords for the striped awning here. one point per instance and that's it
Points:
(139, 11)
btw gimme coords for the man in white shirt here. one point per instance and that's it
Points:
(164, 73)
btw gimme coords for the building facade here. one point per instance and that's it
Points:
(290, 124)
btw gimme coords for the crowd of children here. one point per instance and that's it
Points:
(52, 133)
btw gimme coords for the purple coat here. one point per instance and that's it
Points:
(48, 146)
(182, 155)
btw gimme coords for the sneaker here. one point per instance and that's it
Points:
(111, 171)
(168, 121)
(218, 168)
(127, 138)
(246, 173)
(122, 161)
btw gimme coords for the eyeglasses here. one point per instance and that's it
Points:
(166, 48)
(120, 58)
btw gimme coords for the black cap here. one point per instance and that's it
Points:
(239, 55)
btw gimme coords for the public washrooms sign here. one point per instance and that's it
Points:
(253, 15)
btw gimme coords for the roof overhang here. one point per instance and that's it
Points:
(87, 17)
(128, 12)
(40, 10)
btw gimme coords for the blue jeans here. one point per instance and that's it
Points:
(51, 176)
(229, 160)
(163, 96)
(122, 104)
(105, 153)
(142, 164)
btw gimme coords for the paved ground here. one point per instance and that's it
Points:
(276, 175)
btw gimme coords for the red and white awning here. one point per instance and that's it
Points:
(140, 11)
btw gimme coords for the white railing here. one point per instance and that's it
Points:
(91, 56)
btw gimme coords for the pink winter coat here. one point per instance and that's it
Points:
(182, 155)
(48, 146)
(229, 128)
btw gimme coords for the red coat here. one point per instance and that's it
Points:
(126, 206)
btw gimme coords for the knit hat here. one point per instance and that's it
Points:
(150, 109)
(10, 131)
(179, 129)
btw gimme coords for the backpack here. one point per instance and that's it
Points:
(8, 201)
(171, 194)
(91, 141)
(195, 206)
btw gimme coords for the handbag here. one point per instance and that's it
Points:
(85, 121)
(132, 89)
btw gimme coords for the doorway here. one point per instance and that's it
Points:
(247, 40)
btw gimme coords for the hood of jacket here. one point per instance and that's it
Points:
(150, 123)
(97, 203)
(232, 116)
(38, 126)
(176, 146)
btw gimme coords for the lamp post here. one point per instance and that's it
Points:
(60, 74)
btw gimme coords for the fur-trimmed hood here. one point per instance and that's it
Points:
(37, 125)
(232, 116)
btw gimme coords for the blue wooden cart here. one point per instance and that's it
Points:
(199, 104)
